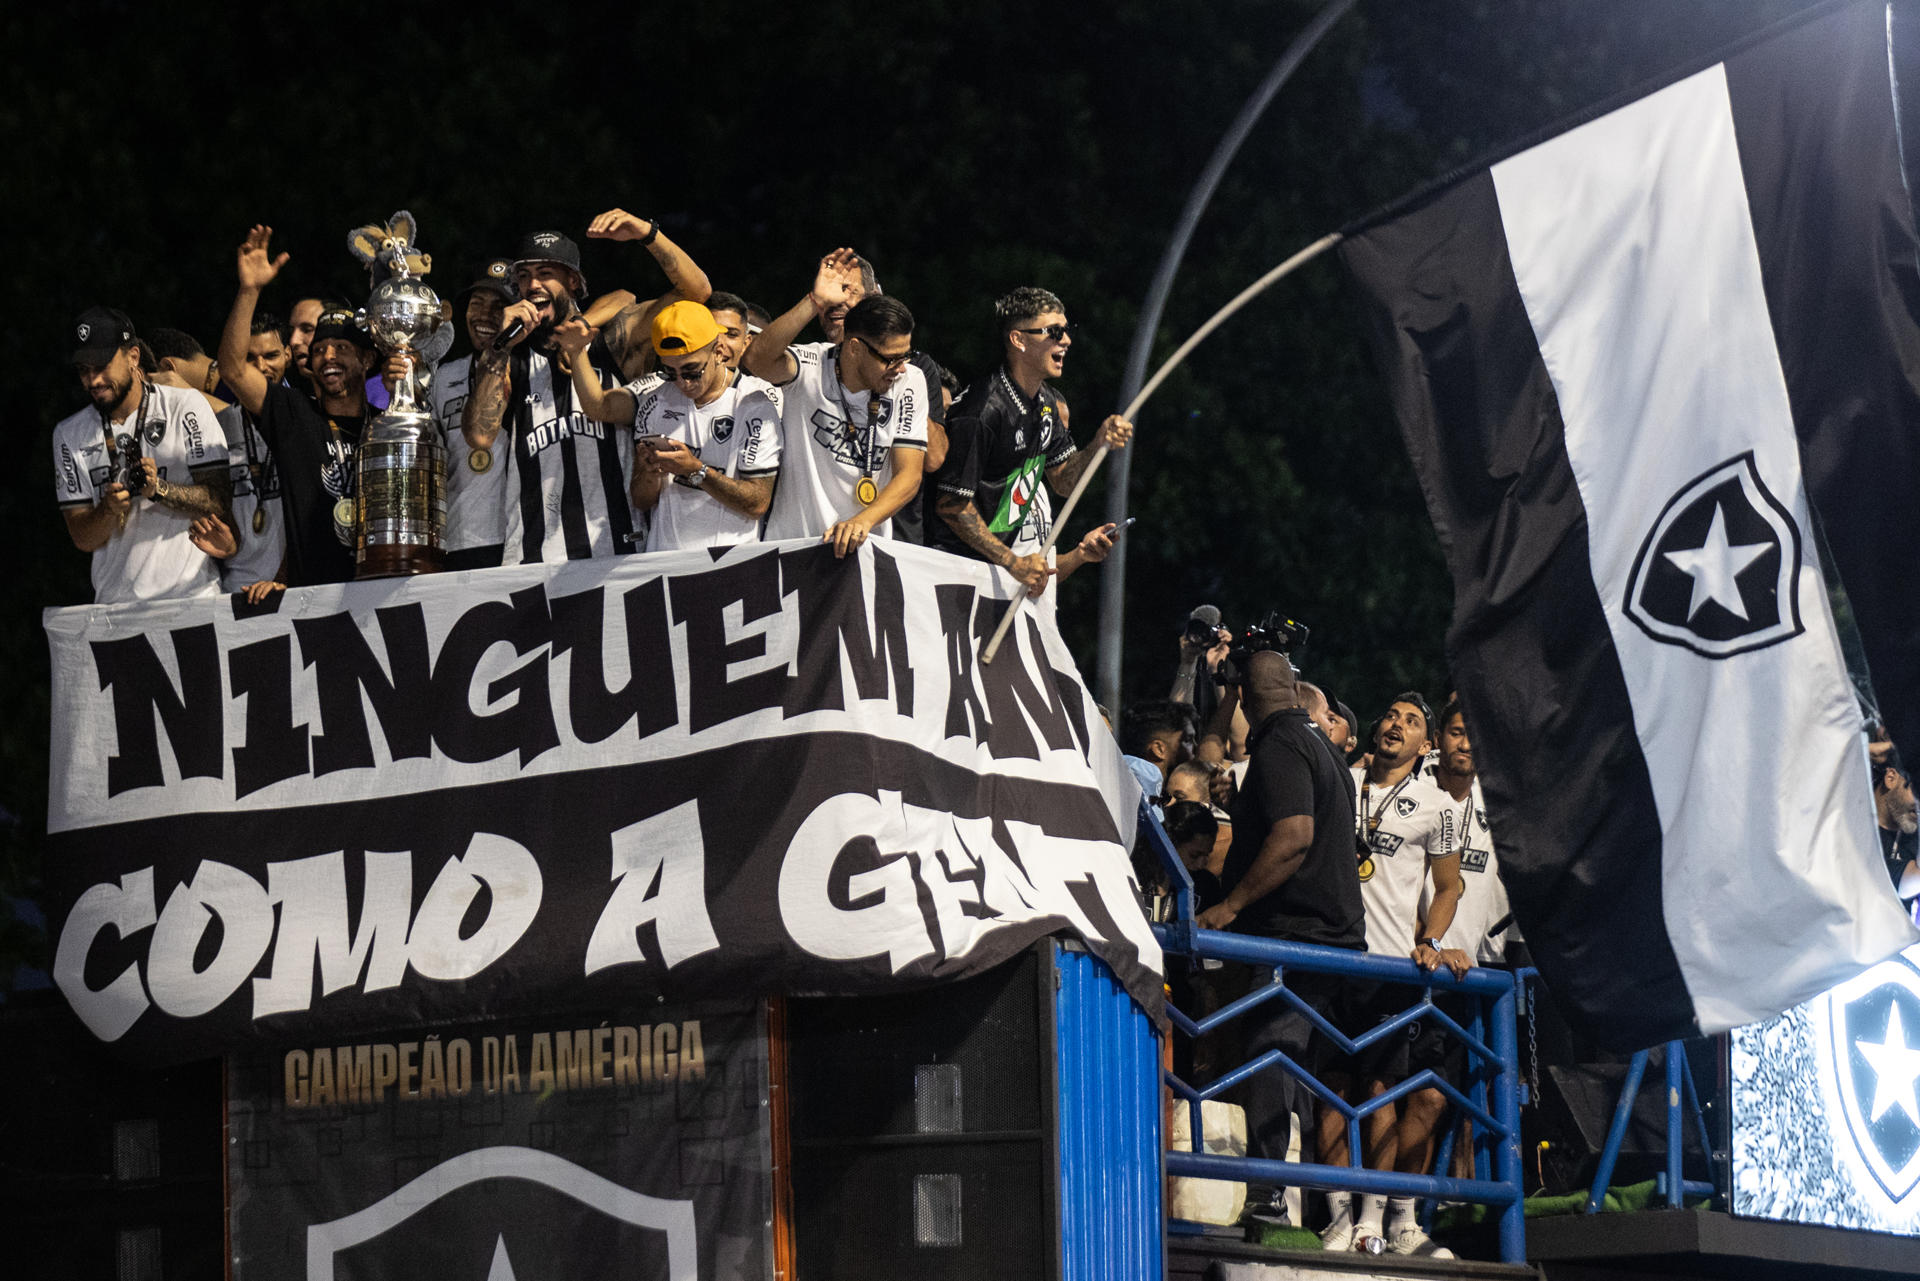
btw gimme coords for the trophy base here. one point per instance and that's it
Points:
(399, 562)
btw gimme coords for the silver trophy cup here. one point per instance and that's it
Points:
(401, 494)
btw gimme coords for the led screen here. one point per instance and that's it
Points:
(1826, 1106)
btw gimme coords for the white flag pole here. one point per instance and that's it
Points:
(1200, 335)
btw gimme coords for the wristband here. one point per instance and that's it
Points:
(653, 232)
(1432, 943)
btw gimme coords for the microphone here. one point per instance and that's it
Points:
(505, 338)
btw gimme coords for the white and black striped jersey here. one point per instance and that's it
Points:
(566, 483)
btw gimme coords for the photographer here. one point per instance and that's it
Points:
(1203, 647)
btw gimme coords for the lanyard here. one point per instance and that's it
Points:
(1370, 820)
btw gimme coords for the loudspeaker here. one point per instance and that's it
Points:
(924, 1130)
(1576, 1110)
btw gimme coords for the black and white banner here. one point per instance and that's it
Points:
(1625, 359)
(476, 795)
(632, 1145)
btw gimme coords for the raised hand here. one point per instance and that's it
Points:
(618, 224)
(257, 265)
(575, 336)
(1115, 432)
(837, 283)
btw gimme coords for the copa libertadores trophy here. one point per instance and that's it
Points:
(400, 492)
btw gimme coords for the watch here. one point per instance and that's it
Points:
(1432, 943)
(698, 478)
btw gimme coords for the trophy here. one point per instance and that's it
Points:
(400, 494)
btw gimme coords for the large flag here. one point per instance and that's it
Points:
(1630, 362)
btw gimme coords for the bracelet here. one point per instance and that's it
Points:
(653, 232)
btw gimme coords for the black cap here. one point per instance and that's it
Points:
(550, 246)
(494, 278)
(98, 334)
(338, 322)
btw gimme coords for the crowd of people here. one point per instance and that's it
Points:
(575, 426)
(1297, 820)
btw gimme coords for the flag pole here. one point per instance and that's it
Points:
(1173, 362)
(1113, 583)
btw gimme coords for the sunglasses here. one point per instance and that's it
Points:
(689, 373)
(1054, 332)
(886, 361)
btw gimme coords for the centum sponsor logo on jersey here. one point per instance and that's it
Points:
(1718, 572)
(1867, 1034)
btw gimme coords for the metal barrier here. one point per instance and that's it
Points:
(1679, 1085)
(1492, 1102)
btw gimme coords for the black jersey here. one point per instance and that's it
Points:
(999, 447)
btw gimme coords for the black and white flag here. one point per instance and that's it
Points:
(544, 788)
(1629, 362)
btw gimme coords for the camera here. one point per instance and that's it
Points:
(1201, 632)
(1274, 632)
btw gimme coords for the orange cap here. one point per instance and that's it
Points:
(684, 327)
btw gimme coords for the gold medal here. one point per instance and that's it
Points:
(259, 520)
(866, 491)
(343, 513)
(1366, 869)
(480, 460)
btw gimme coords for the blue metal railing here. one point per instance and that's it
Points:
(1680, 1088)
(1492, 1102)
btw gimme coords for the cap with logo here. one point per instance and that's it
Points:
(494, 278)
(338, 322)
(684, 327)
(98, 334)
(550, 246)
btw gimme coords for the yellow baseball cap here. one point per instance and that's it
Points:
(684, 327)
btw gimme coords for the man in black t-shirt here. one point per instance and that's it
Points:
(1003, 434)
(313, 441)
(1291, 873)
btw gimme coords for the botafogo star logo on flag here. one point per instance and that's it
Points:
(1719, 570)
(1869, 1030)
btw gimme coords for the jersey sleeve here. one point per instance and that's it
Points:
(930, 370)
(202, 435)
(1441, 832)
(72, 482)
(758, 418)
(960, 474)
(1059, 440)
(908, 430)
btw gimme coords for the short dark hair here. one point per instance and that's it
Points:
(758, 315)
(148, 365)
(1416, 699)
(951, 381)
(173, 344)
(719, 300)
(265, 322)
(1185, 820)
(1142, 722)
(1024, 304)
(880, 316)
(1451, 710)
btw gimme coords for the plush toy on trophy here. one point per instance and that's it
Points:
(400, 494)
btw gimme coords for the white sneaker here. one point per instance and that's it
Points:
(1337, 1236)
(1417, 1243)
